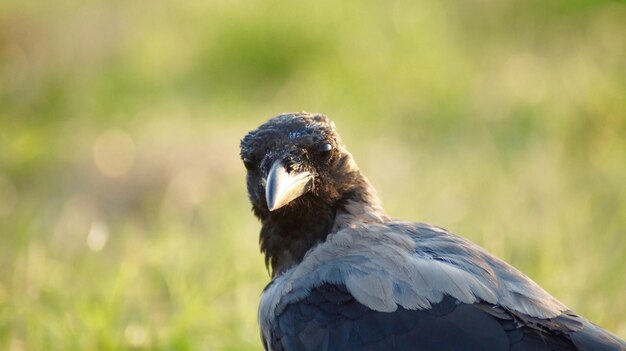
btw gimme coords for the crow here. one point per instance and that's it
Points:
(345, 276)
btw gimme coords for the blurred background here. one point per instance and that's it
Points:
(124, 222)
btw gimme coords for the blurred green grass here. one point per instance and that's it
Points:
(124, 222)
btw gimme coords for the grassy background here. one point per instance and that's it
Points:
(124, 223)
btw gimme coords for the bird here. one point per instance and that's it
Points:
(346, 276)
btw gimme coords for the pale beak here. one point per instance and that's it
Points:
(281, 187)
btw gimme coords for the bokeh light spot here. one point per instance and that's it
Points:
(136, 335)
(114, 153)
(188, 187)
(98, 236)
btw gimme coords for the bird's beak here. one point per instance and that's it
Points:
(281, 187)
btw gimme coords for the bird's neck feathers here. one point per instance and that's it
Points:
(287, 236)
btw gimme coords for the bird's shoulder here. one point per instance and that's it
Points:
(413, 265)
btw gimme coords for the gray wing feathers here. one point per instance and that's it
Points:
(411, 265)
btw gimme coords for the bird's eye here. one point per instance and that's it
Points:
(248, 163)
(325, 148)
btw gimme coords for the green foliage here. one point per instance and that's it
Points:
(124, 222)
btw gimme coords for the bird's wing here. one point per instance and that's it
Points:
(410, 265)
(329, 318)
(408, 271)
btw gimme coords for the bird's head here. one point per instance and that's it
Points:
(296, 163)
(303, 184)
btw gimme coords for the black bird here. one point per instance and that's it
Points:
(345, 276)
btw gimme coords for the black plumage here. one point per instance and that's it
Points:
(347, 277)
(329, 318)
